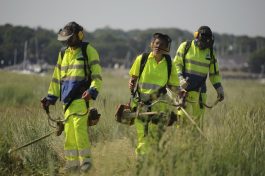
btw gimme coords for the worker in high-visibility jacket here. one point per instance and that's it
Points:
(195, 60)
(149, 79)
(76, 80)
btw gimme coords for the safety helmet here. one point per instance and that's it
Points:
(69, 30)
(164, 38)
(204, 37)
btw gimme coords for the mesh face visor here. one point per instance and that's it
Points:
(64, 34)
(166, 41)
(68, 31)
(206, 37)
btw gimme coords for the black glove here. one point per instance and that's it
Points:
(220, 93)
(45, 103)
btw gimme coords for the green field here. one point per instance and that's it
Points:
(235, 129)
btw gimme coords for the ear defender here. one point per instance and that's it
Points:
(80, 35)
(196, 34)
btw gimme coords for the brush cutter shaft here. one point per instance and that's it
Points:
(32, 142)
(193, 122)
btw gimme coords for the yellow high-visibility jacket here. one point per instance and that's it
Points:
(198, 65)
(154, 75)
(69, 73)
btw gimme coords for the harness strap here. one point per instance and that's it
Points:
(186, 49)
(84, 53)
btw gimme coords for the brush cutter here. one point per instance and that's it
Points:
(94, 117)
(125, 115)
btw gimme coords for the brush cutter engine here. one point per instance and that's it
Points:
(124, 114)
(93, 117)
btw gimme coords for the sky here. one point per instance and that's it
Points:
(237, 17)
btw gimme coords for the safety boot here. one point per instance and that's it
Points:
(85, 167)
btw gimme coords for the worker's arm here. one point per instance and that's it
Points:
(134, 73)
(95, 68)
(215, 78)
(54, 88)
(179, 65)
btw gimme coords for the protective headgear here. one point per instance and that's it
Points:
(162, 37)
(204, 37)
(69, 30)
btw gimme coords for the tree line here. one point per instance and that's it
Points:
(118, 46)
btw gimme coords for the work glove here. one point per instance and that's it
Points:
(45, 103)
(182, 95)
(220, 93)
(90, 93)
(132, 83)
(183, 84)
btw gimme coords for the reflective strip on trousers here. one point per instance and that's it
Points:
(73, 159)
(85, 156)
(71, 154)
(85, 153)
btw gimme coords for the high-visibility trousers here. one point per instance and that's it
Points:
(193, 108)
(148, 133)
(77, 144)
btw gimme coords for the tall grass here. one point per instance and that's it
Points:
(235, 129)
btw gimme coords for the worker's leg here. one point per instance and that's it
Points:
(77, 139)
(192, 104)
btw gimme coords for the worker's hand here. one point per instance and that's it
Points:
(45, 103)
(183, 84)
(132, 83)
(90, 93)
(220, 93)
(86, 96)
(182, 94)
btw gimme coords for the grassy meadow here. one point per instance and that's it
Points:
(235, 129)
